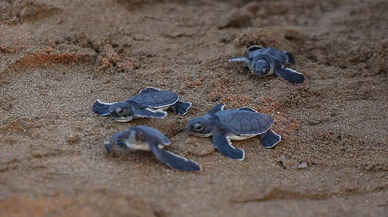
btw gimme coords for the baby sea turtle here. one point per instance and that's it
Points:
(268, 61)
(234, 124)
(149, 139)
(148, 103)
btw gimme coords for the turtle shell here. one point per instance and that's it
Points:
(152, 135)
(245, 123)
(155, 98)
(275, 54)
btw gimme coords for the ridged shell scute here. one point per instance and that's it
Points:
(156, 99)
(245, 122)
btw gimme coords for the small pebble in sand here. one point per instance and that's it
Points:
(302, 165)
(73, 139)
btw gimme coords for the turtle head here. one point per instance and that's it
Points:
(118, 139)
(121, 112)
(201, 126)
(260, 67)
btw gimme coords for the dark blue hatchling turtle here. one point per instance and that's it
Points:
(234, 124)
(267, 61)
(149, 139)
(148, 103)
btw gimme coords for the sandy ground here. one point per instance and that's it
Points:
(57, 57)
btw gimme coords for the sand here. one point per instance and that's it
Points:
(57, 57)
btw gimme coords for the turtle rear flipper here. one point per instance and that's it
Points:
(149, 113)
(225, 147)
(270, 139)
(101, 108)
(173, 160)
(240, 59)
(181, 108)
(290, 75)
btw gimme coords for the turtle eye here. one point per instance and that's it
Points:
(119, 110)
(198, 127)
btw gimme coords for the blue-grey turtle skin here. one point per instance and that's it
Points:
(267, 61)
(148, 103)
(234, 124)
(149, 139)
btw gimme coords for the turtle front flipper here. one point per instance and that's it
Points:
(253, 48)
(181, 108)
(149, 90)
(290, 75)
(240, 59)
(173, 160)
(217, 108)
(290, 57)
(102, 108)
(225, 147)
(149, 113)
(270, 139)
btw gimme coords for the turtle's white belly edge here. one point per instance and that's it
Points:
(200, 135)
(235, 137)
(141, 146)
(161, 109)
(124, 119)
